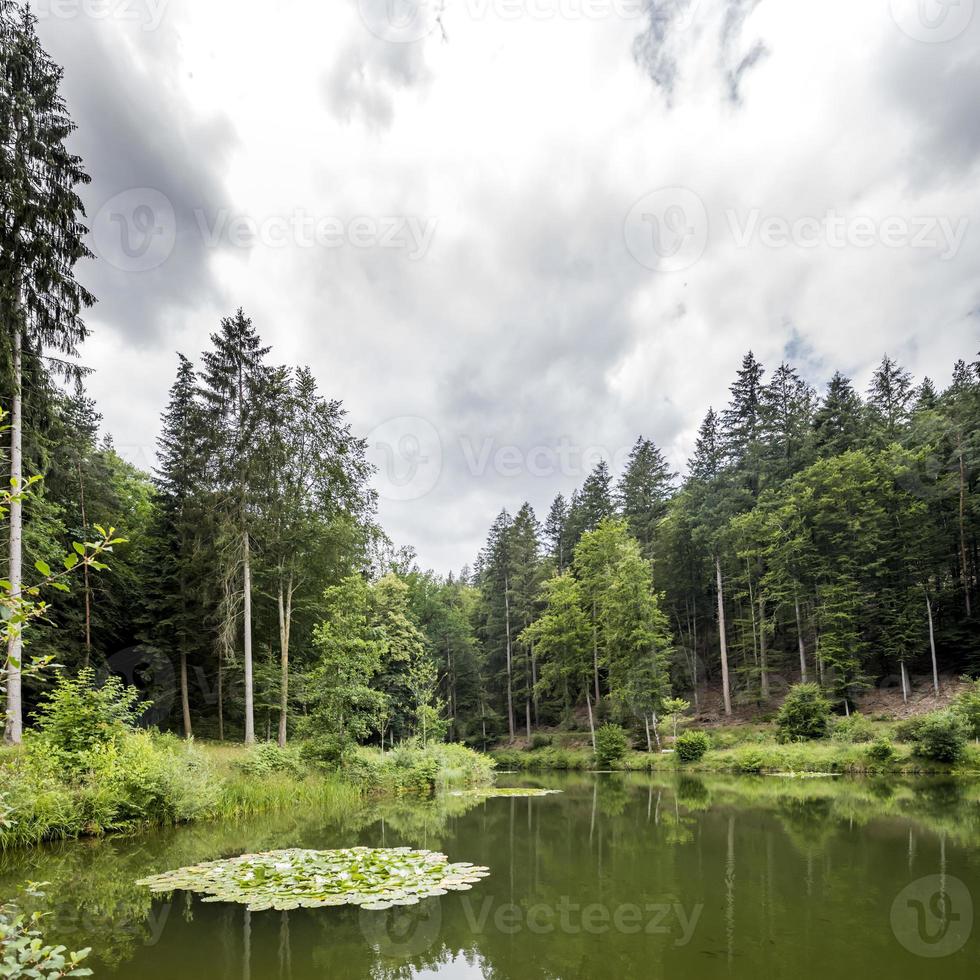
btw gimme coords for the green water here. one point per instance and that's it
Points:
(618, 876)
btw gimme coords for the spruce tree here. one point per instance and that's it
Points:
(644, 490)
(41, 240)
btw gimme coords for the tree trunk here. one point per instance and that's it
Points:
(285, 621)
(595, 652)
(932, 646)
(85, 573)
(656, 728)
(247, 616)
(534, 685)
(646, 724)
(964, 567)
(802, 642)
(905, 682)
(588, 702)
(221, 700)
(763, 651)
(510, 685)
(725, 689)
(185, 702)
(14, 728)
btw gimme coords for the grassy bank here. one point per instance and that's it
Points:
(750, 749)
(141, 779)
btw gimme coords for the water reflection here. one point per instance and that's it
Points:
(619, 876)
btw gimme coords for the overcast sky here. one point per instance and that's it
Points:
(518, 233)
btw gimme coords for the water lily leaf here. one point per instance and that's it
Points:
(372, 878)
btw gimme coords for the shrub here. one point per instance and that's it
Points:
(266, 759)
(749, 761)
(540, 741)
(908, 730)
(942, 737)
(691, 746)
(967, 706)
(857, 728)
(881, 751)
(79, 714)
(803, 715)
(611, 745)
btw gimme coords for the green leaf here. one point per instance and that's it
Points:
(43, 567)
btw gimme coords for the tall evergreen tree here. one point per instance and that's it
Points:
(41, 240)
(644, 490)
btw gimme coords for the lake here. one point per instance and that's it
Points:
(618, 876)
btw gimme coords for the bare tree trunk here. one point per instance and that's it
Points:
(14, 728)
(646, 724)
(723, 642)
(799, 633)
(763, 651)
(247, 617)
(964, 567)
(905, 683)
(595, 652)
(285, 621)
(932, 646)
(221, 699)
(85, 573)
(588, 701)
(510, 685)
(534, 684)
(656, 728)
(185, 702)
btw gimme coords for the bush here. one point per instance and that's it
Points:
(540, 741)
(266, 759)
(79, 714)
(857, 728)
(25, 954)
(908, 730)
(967, 706)
(803, 715)
(749, 761)
(942, 737)
(881, 752)
(611, 745)
(691, 746)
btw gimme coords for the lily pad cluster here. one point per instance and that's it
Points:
(500, 791)
(373, 878)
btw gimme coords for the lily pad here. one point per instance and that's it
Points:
(372, 878)
(490, 793)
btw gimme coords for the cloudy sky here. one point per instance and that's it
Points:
(513, 234)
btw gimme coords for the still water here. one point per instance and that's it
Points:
(619, 876)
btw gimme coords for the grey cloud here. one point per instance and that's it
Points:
(134, 133)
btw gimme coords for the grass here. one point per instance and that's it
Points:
(751, 748)
(144, 779)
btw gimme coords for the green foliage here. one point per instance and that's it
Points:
(881, 751)
(908, 729)
(967, 706)
(539, 741)
(942, 737)
(23, 952)
(267, 758)
(611, 745)
(80, 715)
(855, 728)
(804, 714)
(424, 770)
(691, 746)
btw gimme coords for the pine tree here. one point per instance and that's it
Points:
(890, 398)
(556, 532)
(233, 391)
(839, 424)
(41, 239)
(644, 490)
(742, 421)
(708, 458)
